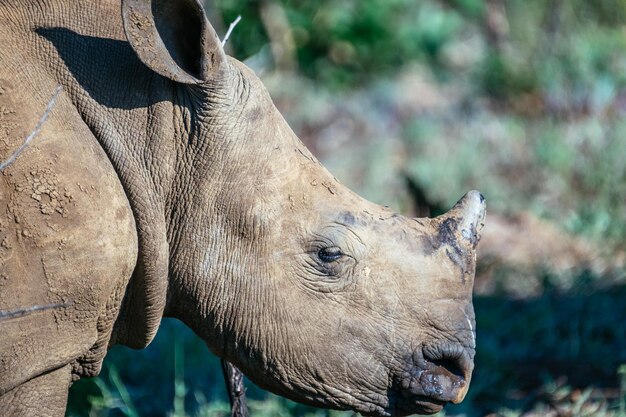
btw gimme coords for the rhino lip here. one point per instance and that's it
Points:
(418, 404)
(429, 390)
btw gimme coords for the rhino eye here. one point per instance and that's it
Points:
(329, 255)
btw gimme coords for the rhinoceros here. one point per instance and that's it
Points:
(164, 182)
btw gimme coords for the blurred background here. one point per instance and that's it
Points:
(411, 104)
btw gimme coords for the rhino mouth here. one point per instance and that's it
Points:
(418, 405)
(436, 376)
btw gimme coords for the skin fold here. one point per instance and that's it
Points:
(166, 183)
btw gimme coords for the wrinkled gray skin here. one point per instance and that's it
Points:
(165, 182)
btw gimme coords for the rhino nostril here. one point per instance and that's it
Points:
(451, 365)
(452, 358)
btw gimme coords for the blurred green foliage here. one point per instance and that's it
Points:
(559, 46)
(343, 44)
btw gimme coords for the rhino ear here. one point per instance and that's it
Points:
(173, 38)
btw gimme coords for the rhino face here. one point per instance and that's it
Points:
(376, 308)
(380, 306)
(315, 293)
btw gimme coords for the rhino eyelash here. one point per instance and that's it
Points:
(330, 254)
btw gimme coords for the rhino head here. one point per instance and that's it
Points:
(315, 293)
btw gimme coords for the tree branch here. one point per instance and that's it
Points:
(230, 30)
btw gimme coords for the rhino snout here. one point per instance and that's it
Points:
(436, 375)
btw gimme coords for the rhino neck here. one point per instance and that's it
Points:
(167, 142)
(222, 261)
